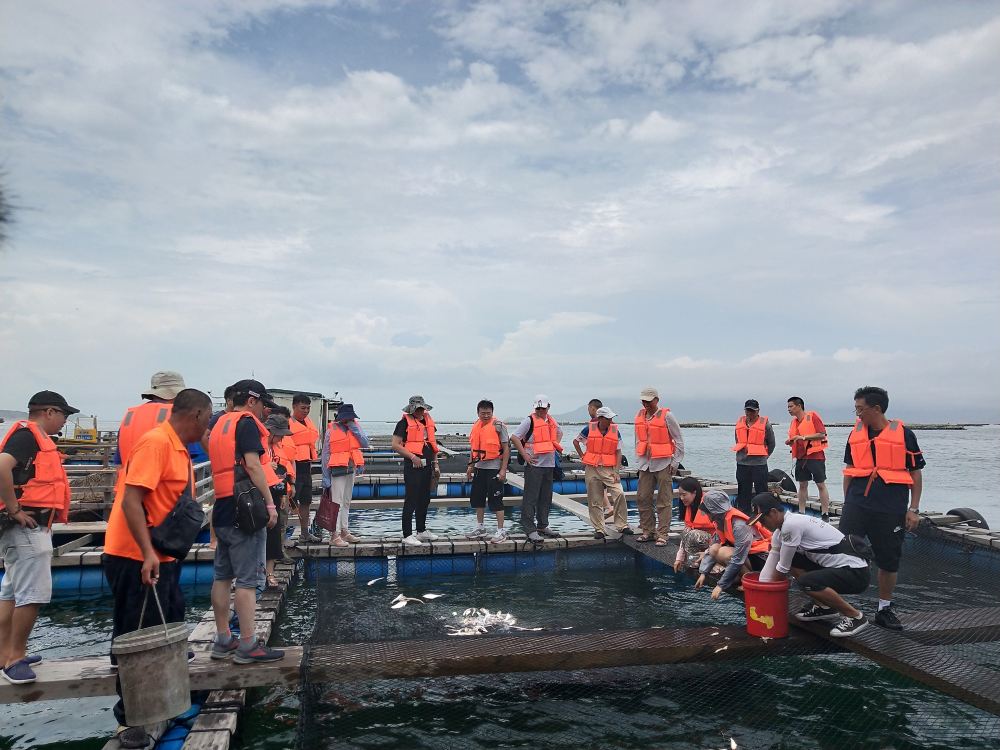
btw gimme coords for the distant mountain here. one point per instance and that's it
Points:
(12, 416)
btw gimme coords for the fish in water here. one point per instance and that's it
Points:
(373, 581)
(478, 621)
(401, 601)
(432, 596)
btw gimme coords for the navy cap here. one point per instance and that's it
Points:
(44, 399)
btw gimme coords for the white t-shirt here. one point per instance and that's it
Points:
(805, 534)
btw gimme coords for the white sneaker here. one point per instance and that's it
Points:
(427, 536)
(412, 541)
(477, 533)
(500, 536)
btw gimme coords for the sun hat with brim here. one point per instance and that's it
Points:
(648, 394)
(277, 425)
(346, 413)
(417, 402)
(605, 412)
(165, 384)
(541, 402)
(46, 399)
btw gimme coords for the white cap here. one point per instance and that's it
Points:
(648, 393)
(542, 401)
(605, 412)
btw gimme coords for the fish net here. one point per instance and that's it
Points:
(727, 691)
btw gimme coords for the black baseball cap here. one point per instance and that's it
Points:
(256, 389)
(751, 404)
(44, 399)
(764, 502)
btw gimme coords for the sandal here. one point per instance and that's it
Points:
(661, 542)
(644, 537)
(272, 582)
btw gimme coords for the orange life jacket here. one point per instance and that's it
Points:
(890, 455)
(762, 542)
(344, 446)
(49, 488)
(137, 421)
(602, 450)
(652, 435)
(305, 436)
(700, 521)
(545, 435)
(286, 454)
(418, 433)
(753, 438)
(222, 450)
(484, 440)
(269, 462)
(806, 427)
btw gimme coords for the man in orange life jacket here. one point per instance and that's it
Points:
(602, 457)
(138, 420)
(592, 406)
(807, 440)
(239, 438)
(35, 492)
(305, 435)
(882, 488)
(659, 450)
(754, 444)
(489, 454)
(157, 473)
(414, 439)
(537, 441)
(742, 546)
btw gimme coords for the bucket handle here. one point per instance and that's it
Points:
(142, 613)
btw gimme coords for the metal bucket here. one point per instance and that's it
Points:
(153, 669)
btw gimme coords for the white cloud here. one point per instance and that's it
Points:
(778, 358)
(658, 128)
(685, 362)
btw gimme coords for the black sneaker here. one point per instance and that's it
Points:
(849, 626)
(825, 517)
(886, 618)
(815, 612)
(599, 535)
(551, 533)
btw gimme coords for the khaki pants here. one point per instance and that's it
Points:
(658, 524)
(599, 479)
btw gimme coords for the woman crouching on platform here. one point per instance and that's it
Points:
(741, 547)
(698, 527)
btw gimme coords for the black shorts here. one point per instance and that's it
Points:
(757, 560)
(810, 469)
(885, 531)
(841, 580)
(303, 482)
(487, 491)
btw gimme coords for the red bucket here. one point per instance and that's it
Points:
(766, 606)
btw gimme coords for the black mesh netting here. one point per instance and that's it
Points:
(800, 692)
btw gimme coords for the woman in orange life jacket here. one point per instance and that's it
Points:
(342, 460)
(741, 547)
(698, 527)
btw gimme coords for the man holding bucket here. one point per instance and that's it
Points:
(156, 474)
(823, 561)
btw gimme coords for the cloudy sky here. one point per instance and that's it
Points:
(502, 198)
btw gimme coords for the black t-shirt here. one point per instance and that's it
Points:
(400, 431)
(247, 441)
(23, 447)
(882, 497)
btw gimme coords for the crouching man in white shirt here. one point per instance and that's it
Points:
(825, 563)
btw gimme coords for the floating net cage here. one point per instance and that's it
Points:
(555, 610)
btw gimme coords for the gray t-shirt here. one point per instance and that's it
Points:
(745, 460)
(494, 463)
(546, 459)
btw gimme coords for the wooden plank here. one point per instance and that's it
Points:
(70, 546)
(541, 652)
(959, 678)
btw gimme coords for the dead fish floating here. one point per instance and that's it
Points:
(373, 581)
(478, 621)
(430, 597)
(401, 601)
